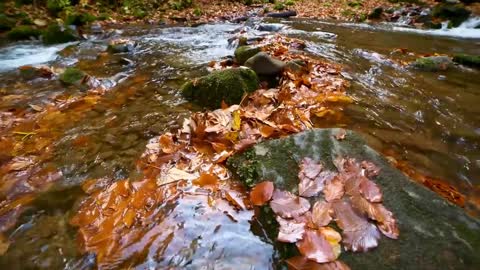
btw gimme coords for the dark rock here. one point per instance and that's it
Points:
(79, 19)
(455, 13)
(243, 53)
(240, 19)
(432, 63)
(227, 85)
(58, 34)
(23, 32)
(432, 25)
(270, 27)
(467, 60)
(285, 14)
(434, 234)
(264, 64)
(121, 47)
(376, 13)
(295, 65)
(30, 72)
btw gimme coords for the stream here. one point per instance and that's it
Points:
(429, 119)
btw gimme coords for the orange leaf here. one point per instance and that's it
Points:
(261, 193)
(206, 179)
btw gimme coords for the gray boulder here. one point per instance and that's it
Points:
(434, 234)
(264, 64)
(243, 53)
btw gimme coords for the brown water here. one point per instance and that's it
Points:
(431, 123)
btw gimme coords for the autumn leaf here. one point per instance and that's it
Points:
(290, 231)
(174, 175)
(316, 247)
(235, 198)
(370, 190)
(371, 169)
(261, 193)
(321, 213)
(166, 143)
(206, 179)
(287, 205)
(309, 168)
(334, 189)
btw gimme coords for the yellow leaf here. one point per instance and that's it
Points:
(236, 120)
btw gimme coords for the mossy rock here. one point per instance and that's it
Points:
(456, 13)
(376, 13)
(79, 19)
(227, 85)
(434, 234)
(55, 6)
(6, 23)
(72, 76)
(467, 60)
(243, 53)
(23, 32)
(55, 34)
(432, 63)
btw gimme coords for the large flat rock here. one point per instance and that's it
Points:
(434, 234)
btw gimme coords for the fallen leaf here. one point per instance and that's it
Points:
(316, 247)
(235, 199)
(321, 213)
(36, 107)
(261, 193)
(287, 205)
(370, 190)
(334, 189)
(309, 168)
(371, 169)
(167, 144)
(290, 231)
(206, 179)
(174, 175)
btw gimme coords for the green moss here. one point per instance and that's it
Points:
(139, 13)
(226, 85)
(279, 6)
(456, 13)
(243, 53)
(246, 167)
(433, 63)
(23, 32)
(6, 23)
(71, 76)
(197, 12)
(79, 19)
(54, 34)
(467, 60)
(289, 2)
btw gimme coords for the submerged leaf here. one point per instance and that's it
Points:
(303, 263)
(174, 175)
(206, 179)
(290, 231)
(261, 193)
(287, 205)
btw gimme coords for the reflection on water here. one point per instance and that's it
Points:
(434, 124)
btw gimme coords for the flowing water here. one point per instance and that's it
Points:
(429, 119)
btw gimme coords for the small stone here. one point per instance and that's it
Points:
(40, 22)
(442, 77)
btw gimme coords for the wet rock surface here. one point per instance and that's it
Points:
(264, 64)
(434, 234)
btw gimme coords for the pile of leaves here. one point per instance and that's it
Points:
(349, 197)
(191, 161)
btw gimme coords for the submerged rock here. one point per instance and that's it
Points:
(432, 63)
(467, 60)
(434, 234)
(58, 34)
(124, 46)
(23, 32)
(285, 14)
(227, 85)
(455, 13)
(31, 72)
(264, 64)
(243, 53)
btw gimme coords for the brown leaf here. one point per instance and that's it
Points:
(303, 263)
(166, 143)
(261, 193)
(235, 198)
(287, 205)
(386, 223)
(334, 189)
(309, 168)
(290, 231)
(359, 234)
(316, 247)
(321, 213)
(371, 169)
(244, 144)
(370, 190)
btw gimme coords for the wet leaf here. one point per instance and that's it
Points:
(370, 190)
(316, 247)
(166, 143)
(287, 205)
(235, 198)
(206, 179)
(174, 175)
(290, 231)
(261, 193)
(334, 189)
(321, 213)
(303, 263)
(309, 168)
(371, 169)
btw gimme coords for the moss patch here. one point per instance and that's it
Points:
(456, 13)
(71, 76)
(6, 23)
(226, 85)
(55, 34)
(467, 60)
(23, 32)
(243, 53)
